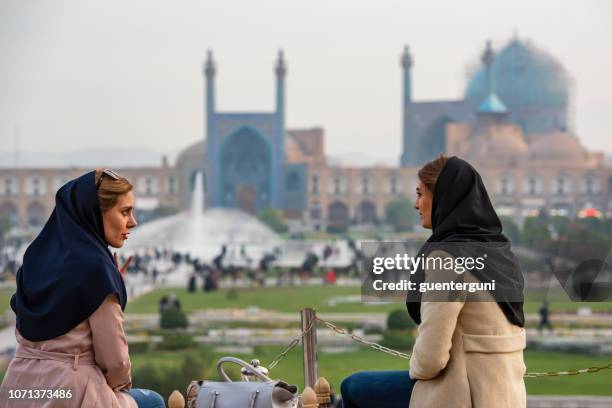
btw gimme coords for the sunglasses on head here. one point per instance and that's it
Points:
(109, 173)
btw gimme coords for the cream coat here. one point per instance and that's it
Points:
(466, 354)
(98, 377)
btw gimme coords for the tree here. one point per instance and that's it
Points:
(5, 226)
(510, 229)
(273, 218)
(173, 318)
(535, 233)
(336, 229)
(176, 375)
(399, 320)
(400, 214)
(399, 333)
(583, 240)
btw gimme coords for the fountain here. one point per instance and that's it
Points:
(197, 197)
(202, 233)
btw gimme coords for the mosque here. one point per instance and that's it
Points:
(520, 135)
(514, 123)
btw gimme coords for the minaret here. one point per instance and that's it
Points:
(487, 60)
(209, 72)
(212, 165)
(279, 145)
(409, 147)
(407, 67)
(281, 71)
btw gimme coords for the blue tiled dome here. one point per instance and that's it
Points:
(524, 78)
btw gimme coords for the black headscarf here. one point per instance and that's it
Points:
(462, 212)
(67, 270)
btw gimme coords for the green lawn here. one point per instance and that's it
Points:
(337, 366)
(5, 299)
(292, 299)
(287, 299)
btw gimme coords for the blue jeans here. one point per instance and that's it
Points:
(377, 389)
(147, 398)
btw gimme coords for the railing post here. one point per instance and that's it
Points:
(309, 317)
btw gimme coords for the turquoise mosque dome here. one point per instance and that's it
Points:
(529, 81)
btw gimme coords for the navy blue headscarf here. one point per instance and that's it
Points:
(67, 270)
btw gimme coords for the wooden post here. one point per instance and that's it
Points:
(310, 346)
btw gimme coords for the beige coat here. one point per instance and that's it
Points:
(466, 354)
(92, 360)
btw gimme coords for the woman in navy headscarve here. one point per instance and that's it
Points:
(70, 300)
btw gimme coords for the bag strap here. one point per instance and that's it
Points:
(224, 376)
(253, 398)
(213, 400)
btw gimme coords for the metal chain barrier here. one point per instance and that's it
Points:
(363, 341)
(569, 372)
(295, 342)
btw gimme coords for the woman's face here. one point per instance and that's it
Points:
(424, 198)
(119, 220)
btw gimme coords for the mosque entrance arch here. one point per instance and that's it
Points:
(246, 170)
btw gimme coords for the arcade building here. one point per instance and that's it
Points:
(514, 124)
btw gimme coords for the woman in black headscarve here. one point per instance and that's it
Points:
(467, 353)
(69, 303)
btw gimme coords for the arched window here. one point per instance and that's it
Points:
(562, 185)
(338, 184)
(36, 186)
(314, 184)
(170, 186)
(533, 185)
(148, 185)
(365, 185)
(9, 187)
(590, 185)
(505, 185)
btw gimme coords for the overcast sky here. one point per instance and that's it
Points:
(82, 74)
